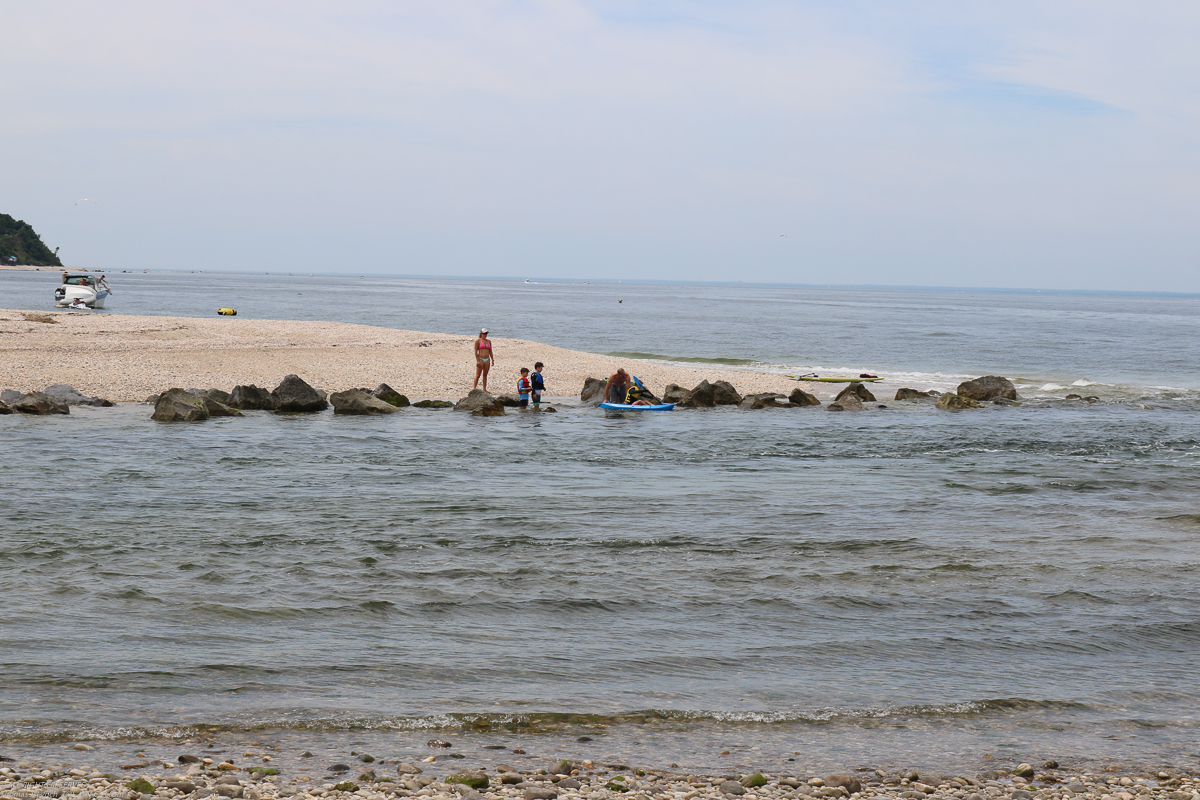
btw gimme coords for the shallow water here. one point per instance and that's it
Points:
(897, 586)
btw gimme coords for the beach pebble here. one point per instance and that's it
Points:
(732, 787)
(83, 747)
(849, 783)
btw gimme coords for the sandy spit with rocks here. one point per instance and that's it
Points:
(127, 358)
(209, 775)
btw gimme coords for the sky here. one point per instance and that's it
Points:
(1050, 145)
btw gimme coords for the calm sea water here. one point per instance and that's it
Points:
(888, 587)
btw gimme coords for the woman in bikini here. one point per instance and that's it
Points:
(483, 358)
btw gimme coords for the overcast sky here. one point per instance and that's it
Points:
(998, 144)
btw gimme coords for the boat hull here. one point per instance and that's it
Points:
(625, 407)
(833, 380)
(92, 299)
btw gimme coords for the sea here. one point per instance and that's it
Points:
(708, 590)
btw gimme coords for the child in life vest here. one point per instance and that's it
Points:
(523, 387)
(537, 384)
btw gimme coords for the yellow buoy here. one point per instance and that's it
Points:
(227, 312)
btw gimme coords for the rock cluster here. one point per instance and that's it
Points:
(292, 395)
(56, 399)
(710, 395)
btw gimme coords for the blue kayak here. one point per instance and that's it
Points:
(624, 407)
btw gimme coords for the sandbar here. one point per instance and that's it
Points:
(126, 358)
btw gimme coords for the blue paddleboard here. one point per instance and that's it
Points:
(623, 407)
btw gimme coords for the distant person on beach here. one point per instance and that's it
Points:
(537, 385)
(618, 386)
(484, 355)
(523, 387)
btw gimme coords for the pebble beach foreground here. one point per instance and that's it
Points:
(127, 358)
(217, 776)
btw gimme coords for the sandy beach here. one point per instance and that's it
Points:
(126, 358)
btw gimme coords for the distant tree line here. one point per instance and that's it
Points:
(18, 239)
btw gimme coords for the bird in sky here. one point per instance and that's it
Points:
(82, 199)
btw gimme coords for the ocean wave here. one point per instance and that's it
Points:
(322, 720)
(724, 360)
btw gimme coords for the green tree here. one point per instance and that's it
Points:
(18, 238)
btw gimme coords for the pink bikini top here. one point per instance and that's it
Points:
(485, 345)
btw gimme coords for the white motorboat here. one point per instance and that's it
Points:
(91, 290)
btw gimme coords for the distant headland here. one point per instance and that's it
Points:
(20, 245)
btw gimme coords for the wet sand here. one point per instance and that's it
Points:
(126, 358)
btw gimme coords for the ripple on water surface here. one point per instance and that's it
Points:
(806, 575)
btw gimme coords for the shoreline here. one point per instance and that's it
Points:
(126, 358)
(256, 767)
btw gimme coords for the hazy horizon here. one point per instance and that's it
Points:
(932, 145)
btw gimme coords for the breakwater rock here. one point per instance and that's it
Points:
(954, 402)
(989, 387)
(295, 395)
(914, 394)
(39, 403)
(71, 397)
(360, 402)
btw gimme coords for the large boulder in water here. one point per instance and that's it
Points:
(954, 401)
(214, 401)
(703, 396)
(847, 401)
(674, 393)
(724, 394)
(178, 405)
(293, 394)
(4, 409)
(476, 400)
(593, 390)
(357, 401)
(216, 394)
(509, 400)
(251, 398)
(389, 395)
(10, 396)
(800, 397)
(71, 397)
(989, 387)
(40, 403)
(858, 390)
(912, 394)
(753, 402)
(433, 404)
